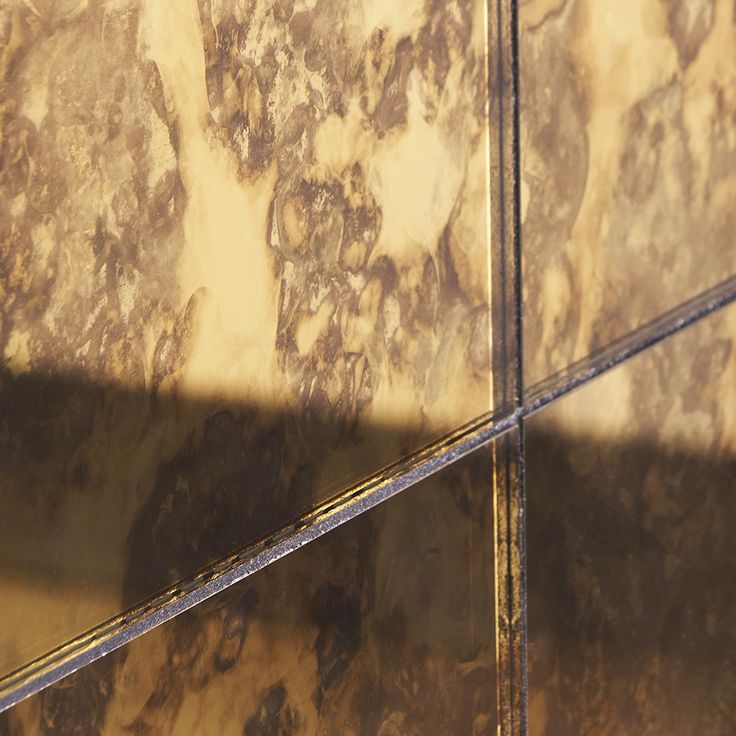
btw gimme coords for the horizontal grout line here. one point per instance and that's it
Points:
(332, 513)
(628, 346)
(344, 507)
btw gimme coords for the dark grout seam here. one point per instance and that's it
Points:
(518, 679)
(507, 369)
(503, 256)
(519, 579)
(517, 240)
(621, 350)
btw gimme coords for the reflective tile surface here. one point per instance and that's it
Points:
(628, 166)
(631, 562)
(385, 626)
(245, 262)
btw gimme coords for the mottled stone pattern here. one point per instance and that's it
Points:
(384, 627)
(628, 166)
(244, 261)
(632, 564)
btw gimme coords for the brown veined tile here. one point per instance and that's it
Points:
(245, 262)
(630, 548)
(628, 167)
(385, 626)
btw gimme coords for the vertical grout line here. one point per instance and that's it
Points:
(504, 467)
(508, 368)
(500, 361)
(490, 261)
(499, 251)
(498, 345)
(516, 214)
(511, 663)
(509, 578)
(501, 567)
(519, 580)
(517, 488)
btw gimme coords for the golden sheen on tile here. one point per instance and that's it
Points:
(631, 559)
(245, 261)
(384, 627)
(628, 166)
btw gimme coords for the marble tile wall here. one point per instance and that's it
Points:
(245, 262)
(631, 561)
(385, 626)
(628, 166)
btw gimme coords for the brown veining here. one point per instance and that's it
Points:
(631, 562)
(245, 261)
(385, 626)
(628, 167)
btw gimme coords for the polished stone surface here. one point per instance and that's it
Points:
(631, 558)
(385, 626)
(628, 166)
(244, 262)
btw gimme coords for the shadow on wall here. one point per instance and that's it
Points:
(631, 587)
(110, 495)
(383, 626)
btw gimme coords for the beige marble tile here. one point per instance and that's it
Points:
(628, 166)
(631, 560)
(245, 261)
(383, 627)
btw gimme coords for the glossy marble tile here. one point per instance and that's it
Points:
(630, 548)
(245, 262)
(628, 167)
(385, 626)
